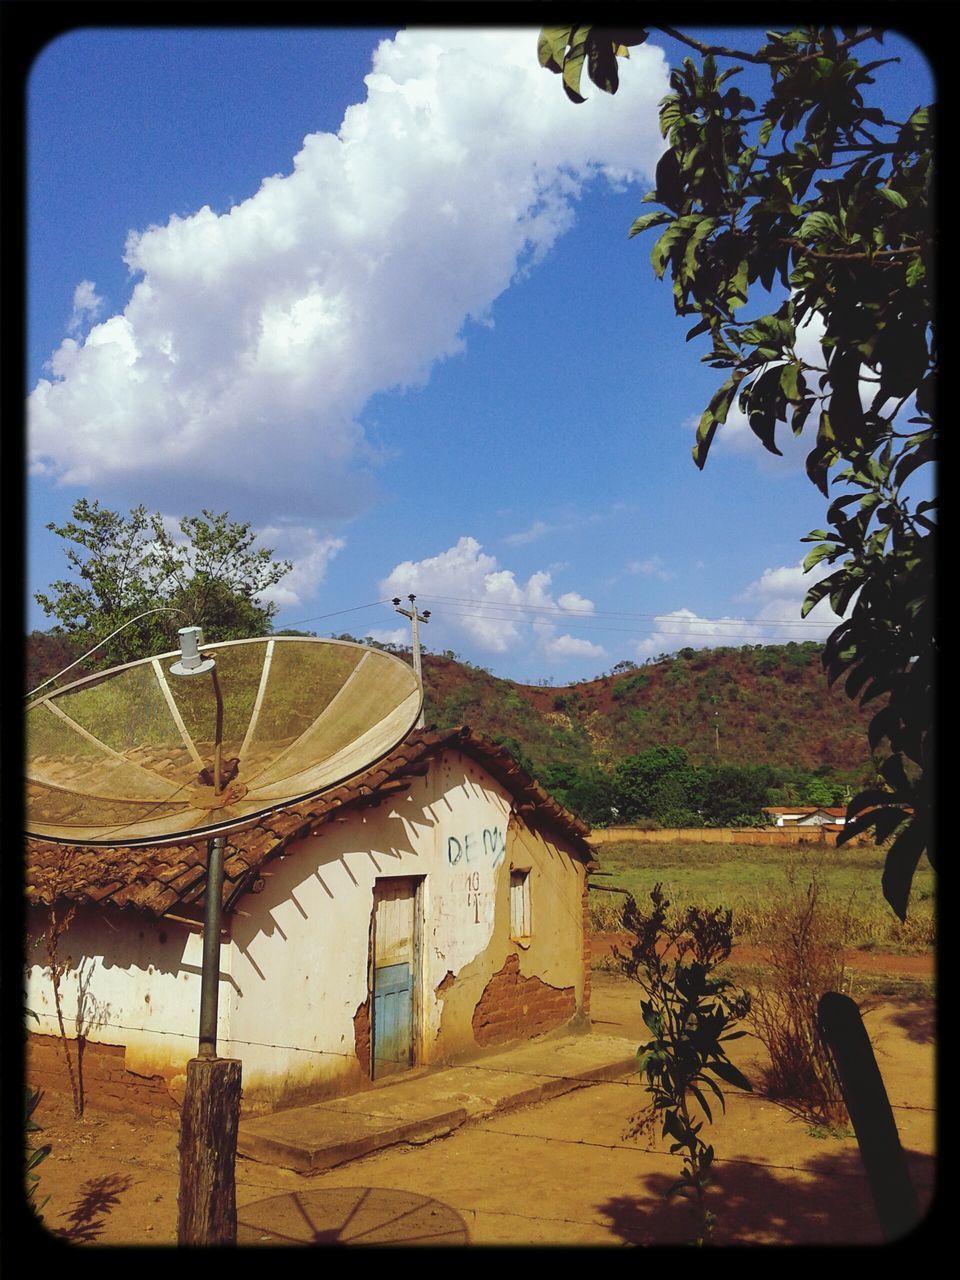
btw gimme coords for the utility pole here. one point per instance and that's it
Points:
(416, 619)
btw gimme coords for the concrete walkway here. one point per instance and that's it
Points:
(422, 1105)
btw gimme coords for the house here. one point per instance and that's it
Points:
(429, 909)
(807, 815)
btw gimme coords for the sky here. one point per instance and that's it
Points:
(371, 291)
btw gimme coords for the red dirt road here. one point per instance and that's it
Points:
(891, 963)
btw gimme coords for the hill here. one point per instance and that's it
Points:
(763, 704)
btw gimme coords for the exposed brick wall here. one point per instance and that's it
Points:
(514, 1008)
(105, 1079)
(361, 1035)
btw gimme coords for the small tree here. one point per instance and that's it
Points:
(689, 1013)
(211, 576)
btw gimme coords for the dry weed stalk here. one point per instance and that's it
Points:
(58, 925)
(804, 959)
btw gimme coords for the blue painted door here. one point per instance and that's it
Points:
(393, 975)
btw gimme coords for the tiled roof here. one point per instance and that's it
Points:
(838, 811)
(158, 878)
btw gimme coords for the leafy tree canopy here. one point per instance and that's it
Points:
(122, 566)
(818, 206)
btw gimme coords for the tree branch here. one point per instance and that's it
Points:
(762, 59)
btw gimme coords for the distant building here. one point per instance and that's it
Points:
(799, 815)
(433, 907)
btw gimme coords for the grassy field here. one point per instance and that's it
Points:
(749, 878)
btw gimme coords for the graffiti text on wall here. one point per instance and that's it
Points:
(488, 847)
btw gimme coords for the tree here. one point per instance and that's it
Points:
(123, 566)
(657, 783)
(823, 203)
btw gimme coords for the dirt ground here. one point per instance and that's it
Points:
(558, 1173)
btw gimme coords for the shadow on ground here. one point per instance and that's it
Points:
(97, 1197)
(350, 1215)
(918, 1022)
(829, 1204)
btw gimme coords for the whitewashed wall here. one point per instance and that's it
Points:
(128, 980)
(296, 970)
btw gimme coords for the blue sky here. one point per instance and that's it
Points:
(373, 293)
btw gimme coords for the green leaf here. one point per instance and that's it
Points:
(738, 286)
(602, 64)
(700, 233)
(822, 552)
(894, 197)
(648, 220)
(573, 64)
(731, 1075)
(818, 224)
(915, 272)
(552, 46)
(790, 379)
(901, 863)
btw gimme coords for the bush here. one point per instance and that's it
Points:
(804, 959)
(690, 1013)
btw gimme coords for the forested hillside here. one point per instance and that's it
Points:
(764, 712)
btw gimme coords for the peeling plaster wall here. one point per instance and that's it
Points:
(302, 960)
(297, 967)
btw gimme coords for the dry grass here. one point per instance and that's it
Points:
(753, 880)
(803, 946)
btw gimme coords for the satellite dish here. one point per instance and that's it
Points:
(125, 756)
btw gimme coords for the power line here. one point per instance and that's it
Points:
(610, 613)
(669, 627)
(336, 614)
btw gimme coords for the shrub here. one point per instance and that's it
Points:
(689, 1013)
(803, 942)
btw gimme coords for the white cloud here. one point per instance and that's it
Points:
(398, 635)
(651, 568)
(310, 552)
(254, 338)
(538, 529)
(573, 601)
(563, 647)
(774, 617)
(87, 304)
(471, 596)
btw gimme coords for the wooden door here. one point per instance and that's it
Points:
(394, 975)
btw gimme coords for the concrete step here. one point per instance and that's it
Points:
(429, 1104)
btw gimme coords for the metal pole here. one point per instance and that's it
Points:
(210, 973)
(218, 740)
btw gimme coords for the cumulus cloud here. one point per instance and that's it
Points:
(473, 597)
(253, 338)
(773, 617)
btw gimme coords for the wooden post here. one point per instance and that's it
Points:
(207, 1203)
(861, 1084)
